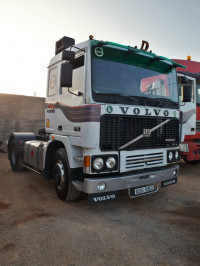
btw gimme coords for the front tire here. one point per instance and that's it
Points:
(64, 187)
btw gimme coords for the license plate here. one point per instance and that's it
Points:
(144, 190)
(169, 182)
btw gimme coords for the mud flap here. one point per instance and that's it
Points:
(169, 182)
(102, 197)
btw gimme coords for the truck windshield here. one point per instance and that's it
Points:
(119, 76)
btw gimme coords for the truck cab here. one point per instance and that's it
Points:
(188, 109)
(190, 146)
(111, 122)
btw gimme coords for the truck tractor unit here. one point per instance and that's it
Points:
(190, 146)
(112, 122)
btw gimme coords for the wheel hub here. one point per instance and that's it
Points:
(59, 175)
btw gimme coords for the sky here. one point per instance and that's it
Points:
(30, 28)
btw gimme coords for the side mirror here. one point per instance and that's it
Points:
(68, 55)
(182, 79)
(66, 75)
(186, 93)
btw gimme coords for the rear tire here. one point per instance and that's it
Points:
(64, 187)
(14, 157)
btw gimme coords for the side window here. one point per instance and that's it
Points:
(78, 75)
(180, 89)
(52, 81)
(198, 93)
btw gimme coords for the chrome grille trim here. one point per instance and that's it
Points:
(144, 160)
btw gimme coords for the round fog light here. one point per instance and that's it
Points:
(98, 163)
(110, 163)
(101, 186)
(175, 172)
(170, 156)
(176, 155)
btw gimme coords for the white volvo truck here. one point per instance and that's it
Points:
(112, 122)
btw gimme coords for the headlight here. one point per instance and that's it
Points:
(184, 147)
(173, 156)
(110, 163)
(170, 155)
(104, 163)
(176, 155)
(98, 163)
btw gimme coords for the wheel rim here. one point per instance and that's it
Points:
(59, 175)
(13, 155)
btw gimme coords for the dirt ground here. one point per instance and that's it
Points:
(36, 228)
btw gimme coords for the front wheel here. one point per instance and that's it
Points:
(64, 187)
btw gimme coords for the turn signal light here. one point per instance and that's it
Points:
(47, 123)
(86, 162)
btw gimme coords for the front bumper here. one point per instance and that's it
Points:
(191, 151)
(90, 185)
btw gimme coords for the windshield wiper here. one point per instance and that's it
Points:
(131, 98)
(168, 100)
(108, 94)
(159, 103)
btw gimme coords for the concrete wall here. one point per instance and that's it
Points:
(20, 114)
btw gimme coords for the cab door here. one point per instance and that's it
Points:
(71, 100)
(188, 109)
(51, 100)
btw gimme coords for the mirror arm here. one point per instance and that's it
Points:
(79, 93)
(83, 50)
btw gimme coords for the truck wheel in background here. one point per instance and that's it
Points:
(191, 162)
(64, 188)
(14, 157)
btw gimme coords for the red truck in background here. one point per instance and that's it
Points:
(156, 85)
(190, 148)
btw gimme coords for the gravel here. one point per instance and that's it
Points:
(36, 228)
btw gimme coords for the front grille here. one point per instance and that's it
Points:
(144, 160)
(198, 126)
(117, 130)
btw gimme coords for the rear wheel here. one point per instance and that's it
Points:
(14, 157)
(64, 187)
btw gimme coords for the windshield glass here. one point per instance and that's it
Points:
(119, 76)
